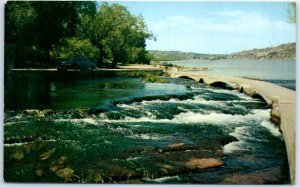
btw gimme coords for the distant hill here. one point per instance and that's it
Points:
(178, 55)
(284, 51)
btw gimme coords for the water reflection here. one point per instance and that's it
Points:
(69, 90)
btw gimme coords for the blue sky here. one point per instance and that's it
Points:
(211, 27)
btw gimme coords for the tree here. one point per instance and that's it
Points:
(70, 47)
(140, 56)
(20, 21)
(57, 20)
(116, 33)
(32, 28)
(42, 31)
(292, 12)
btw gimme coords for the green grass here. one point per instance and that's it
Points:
(153, 77)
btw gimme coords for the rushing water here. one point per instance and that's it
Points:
(281, 72)
(127, 131)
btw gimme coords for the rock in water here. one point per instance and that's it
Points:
(176, 145)
(81, 113)
(31, 112)
(67, 174)
(48, 112)
(203, 163)
(47, 154)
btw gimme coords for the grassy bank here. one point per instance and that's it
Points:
(150, 76)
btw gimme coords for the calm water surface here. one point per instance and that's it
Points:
(282, 72)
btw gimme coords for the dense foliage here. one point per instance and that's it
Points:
(118, 35)
(70, 47)
(292, 12)
(38, 33)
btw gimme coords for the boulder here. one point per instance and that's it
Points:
(48, 112)
(203, 163)
(81, 113)
(67, 174)
(47, 154)
(176, 145)
(31, 112)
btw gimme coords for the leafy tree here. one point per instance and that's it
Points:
(116, 33)
(19, 18)
(140, 56)
(20, 21)
(32, 28)
(57, 20)
(42, 31)
(292, 12)
(70, 47)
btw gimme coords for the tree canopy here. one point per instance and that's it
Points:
(44, 31)
(119, 35)
(71, 47)
(292, 12)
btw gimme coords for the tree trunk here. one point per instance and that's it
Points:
(101, 57)
(113, 62)
(113, 59)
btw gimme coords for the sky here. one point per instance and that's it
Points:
(215, 27)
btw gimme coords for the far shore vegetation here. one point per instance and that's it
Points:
(283, 51)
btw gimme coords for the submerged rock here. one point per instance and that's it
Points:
(18, 155)
(119, 173)
(47, 154)
(244, 179)
(265, 176)
(48, 112)
(39, 172)
(67, 174)
(94, 177)
(58, 164)
(81, 113)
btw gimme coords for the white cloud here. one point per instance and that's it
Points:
(220, 32)
(235, 22)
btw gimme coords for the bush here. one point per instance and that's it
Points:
(149, 76)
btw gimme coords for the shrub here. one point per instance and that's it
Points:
(149, 76)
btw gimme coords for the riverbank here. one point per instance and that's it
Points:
(132, 67)
(250, 69)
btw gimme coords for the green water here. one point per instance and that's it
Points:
(123, 130)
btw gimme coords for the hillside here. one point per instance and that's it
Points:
(178, 55)
(284, 51)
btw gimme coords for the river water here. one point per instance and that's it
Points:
(123, 130)
(281, 72)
